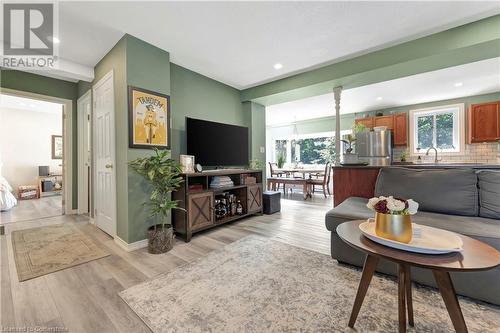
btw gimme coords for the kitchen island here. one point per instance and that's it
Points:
(359, 181)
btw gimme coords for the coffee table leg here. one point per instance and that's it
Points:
(401, 298)
(366, 277)
(447, 290)
(409, 298)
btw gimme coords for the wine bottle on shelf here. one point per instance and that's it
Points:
(239, 208)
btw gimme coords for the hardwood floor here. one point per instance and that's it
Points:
(84, 298)
(33, 209)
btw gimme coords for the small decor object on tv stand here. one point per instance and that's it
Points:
(239, 208)
(187, 163)
(198, 168)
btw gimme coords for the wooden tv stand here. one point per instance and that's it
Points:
(200, 204)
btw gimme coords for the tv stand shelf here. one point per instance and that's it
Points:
(199, 202)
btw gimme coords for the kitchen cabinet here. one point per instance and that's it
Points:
(368, 122)
(387, 121)
(397, 123)
(400, 129)
(484, 122)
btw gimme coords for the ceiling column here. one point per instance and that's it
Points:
(336, 93)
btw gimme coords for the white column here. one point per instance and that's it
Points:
(336, 93)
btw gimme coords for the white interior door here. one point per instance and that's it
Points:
(84, 161)
(104, 155)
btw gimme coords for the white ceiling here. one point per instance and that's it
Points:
(239, 42)
(28, 104)
(477, 78)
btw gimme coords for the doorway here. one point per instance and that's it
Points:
(34, 156)
(103, 120)
(84, 107)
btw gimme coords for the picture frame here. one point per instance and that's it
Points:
(149, 119)
(57, 147)
(187, 163)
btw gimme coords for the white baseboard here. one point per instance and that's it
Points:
(132, 246)
(71, 211)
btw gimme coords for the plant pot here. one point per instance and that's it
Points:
(394, 227)
(160, 239)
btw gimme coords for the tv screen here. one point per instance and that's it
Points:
(217, 144)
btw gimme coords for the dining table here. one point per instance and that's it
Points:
(304, 171)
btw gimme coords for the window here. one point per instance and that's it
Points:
(440, 127)
(308, 149)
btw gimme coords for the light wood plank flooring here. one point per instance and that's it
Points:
(84, 298)
(33, 209)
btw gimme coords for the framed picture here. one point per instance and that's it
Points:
(57, 147)
(149, 119)
(187, 163)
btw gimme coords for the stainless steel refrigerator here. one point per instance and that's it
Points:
(374, 147)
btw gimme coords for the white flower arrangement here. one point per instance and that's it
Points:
(391, 205)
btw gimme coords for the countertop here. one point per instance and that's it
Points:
(423, 166)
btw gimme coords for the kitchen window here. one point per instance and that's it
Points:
(440, 127)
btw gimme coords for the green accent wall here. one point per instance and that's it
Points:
(198, 96)
(256, 120)
(37, 84)
(136, 63)
(464, 44)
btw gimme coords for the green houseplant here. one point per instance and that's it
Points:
(163, 175)
(280, 162)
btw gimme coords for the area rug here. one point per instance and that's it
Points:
(261, 285)
(40, 251)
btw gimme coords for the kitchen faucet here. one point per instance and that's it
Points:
(436, 153)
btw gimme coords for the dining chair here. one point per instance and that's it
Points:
(321, 181)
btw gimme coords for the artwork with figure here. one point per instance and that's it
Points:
(57, 147)
(149, 119)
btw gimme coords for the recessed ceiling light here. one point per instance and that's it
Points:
(459, 84)
(379, 98)
(55, 40)
(278, 66)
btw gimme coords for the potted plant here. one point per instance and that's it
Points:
(256, 164)
(349, 156)
(280, 162)
(392, 217)
(163, 175)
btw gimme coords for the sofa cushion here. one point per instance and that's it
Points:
(489, 193)
(484, 229)
(447, 191)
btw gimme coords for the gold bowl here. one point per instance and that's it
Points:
(394, 227)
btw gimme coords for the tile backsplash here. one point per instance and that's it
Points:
(484, 153)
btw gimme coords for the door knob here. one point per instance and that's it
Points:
(109, 166)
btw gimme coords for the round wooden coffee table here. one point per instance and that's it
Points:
(476, 256)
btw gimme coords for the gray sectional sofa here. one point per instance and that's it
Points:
(465, 201)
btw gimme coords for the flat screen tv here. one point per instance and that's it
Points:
(216, 144)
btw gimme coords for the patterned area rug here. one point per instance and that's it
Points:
(261, 285)
(44, 250)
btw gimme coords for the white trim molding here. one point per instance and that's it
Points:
(67, 141)
(132, 246)
(458, 127)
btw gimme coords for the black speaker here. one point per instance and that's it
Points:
(43, 170)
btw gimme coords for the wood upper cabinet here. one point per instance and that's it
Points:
(384, 121)
(484, 122)
(400, 129)
(397, 123)
(368, 122)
